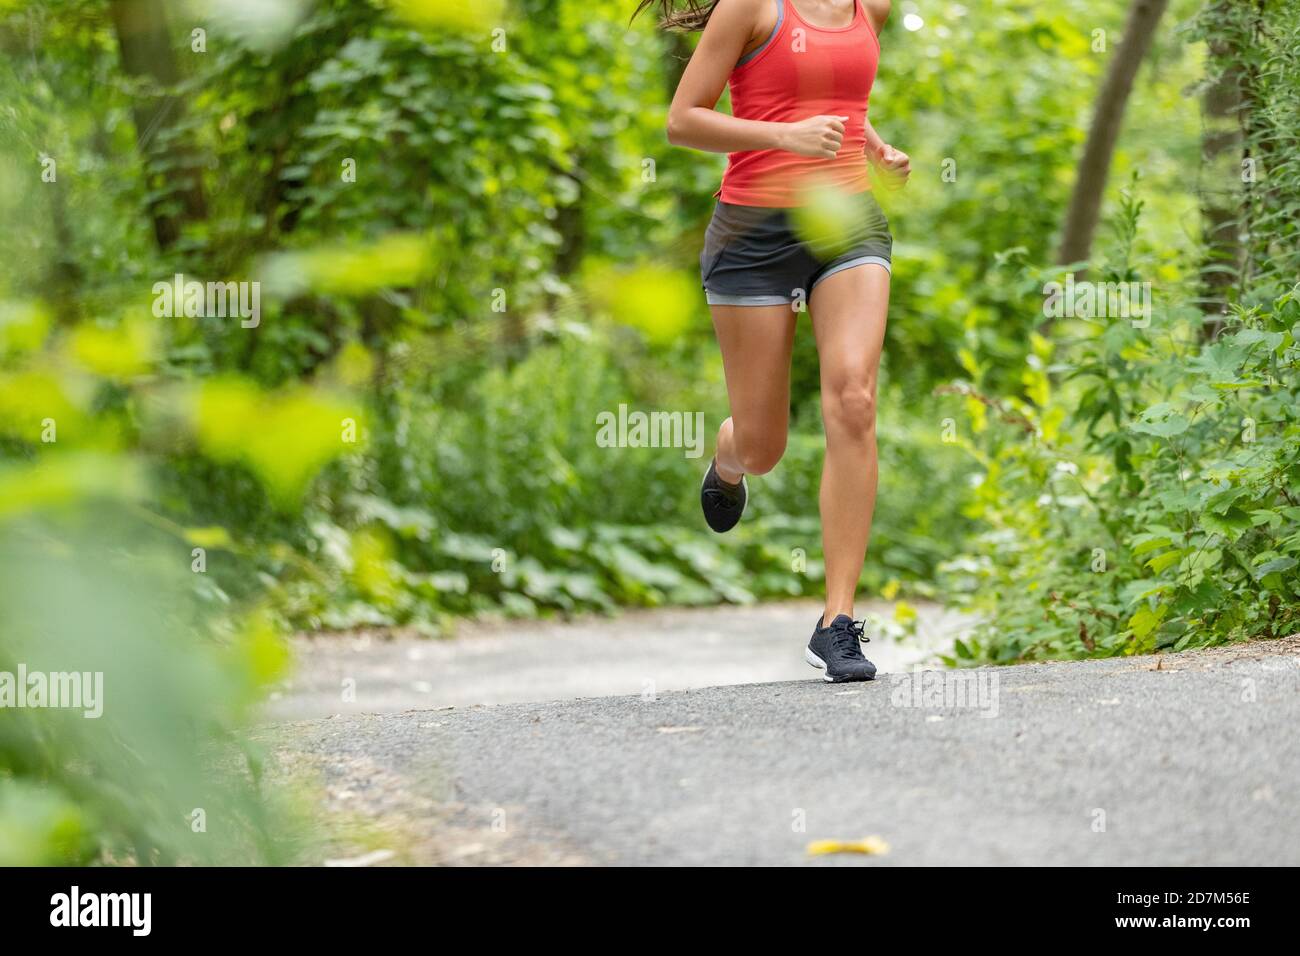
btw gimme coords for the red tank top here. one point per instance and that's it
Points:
(803, 71)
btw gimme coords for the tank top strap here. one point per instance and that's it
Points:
(780, 21)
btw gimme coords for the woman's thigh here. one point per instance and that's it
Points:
(756, 343)
(848, 312)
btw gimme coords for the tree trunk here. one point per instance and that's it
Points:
(1221, 189)
(1108, 117)
(66, 274)
(147, 55)
(1236, 154)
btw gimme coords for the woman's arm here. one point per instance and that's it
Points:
(895, 163)
(693, 120)
(874, 143)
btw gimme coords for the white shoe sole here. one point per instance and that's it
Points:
(817, 662)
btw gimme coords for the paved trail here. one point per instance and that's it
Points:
(1184, 759)
(599, 657)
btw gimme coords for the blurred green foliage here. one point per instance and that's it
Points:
(471, 240)
(162, 775)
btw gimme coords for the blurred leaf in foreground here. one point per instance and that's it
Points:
(37, 405)
(40, 828)
(56, 481)
(119, 352)
(260, 24)
(659, 302)
(829, 220)
(400, 259)
(23, 326)
(101, 598)
(284, 437)
(450, 15)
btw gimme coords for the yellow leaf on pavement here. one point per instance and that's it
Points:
(871, 846)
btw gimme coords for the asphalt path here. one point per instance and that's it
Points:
(1187, 759)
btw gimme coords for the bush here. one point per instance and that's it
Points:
(161, 774)
(506, 502)
(1150, 501)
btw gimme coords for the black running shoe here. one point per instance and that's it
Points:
(836, 650)
(723, 503)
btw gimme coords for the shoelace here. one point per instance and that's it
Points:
(721, 497)
(845, 638)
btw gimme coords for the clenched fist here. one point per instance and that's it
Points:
(895, 165)
(819, 136)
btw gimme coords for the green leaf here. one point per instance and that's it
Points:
(1230, 525)
(1150, 542)
(1274, 566)
(1162, 561)
(1146, 620)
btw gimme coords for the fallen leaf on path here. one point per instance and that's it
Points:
(871, 846)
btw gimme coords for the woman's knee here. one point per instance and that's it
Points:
(850, 407)
(759, 452)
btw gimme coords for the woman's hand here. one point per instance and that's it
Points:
(819, 136)
(895, 166)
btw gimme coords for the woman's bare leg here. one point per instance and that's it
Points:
(756, 342)
(848, 310)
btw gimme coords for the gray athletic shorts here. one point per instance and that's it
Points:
(752, 255)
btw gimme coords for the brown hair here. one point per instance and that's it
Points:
(691, 17)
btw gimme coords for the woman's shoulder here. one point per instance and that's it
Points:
(758, 15)
(877, 10)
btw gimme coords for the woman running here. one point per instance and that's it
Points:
(800, 72)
